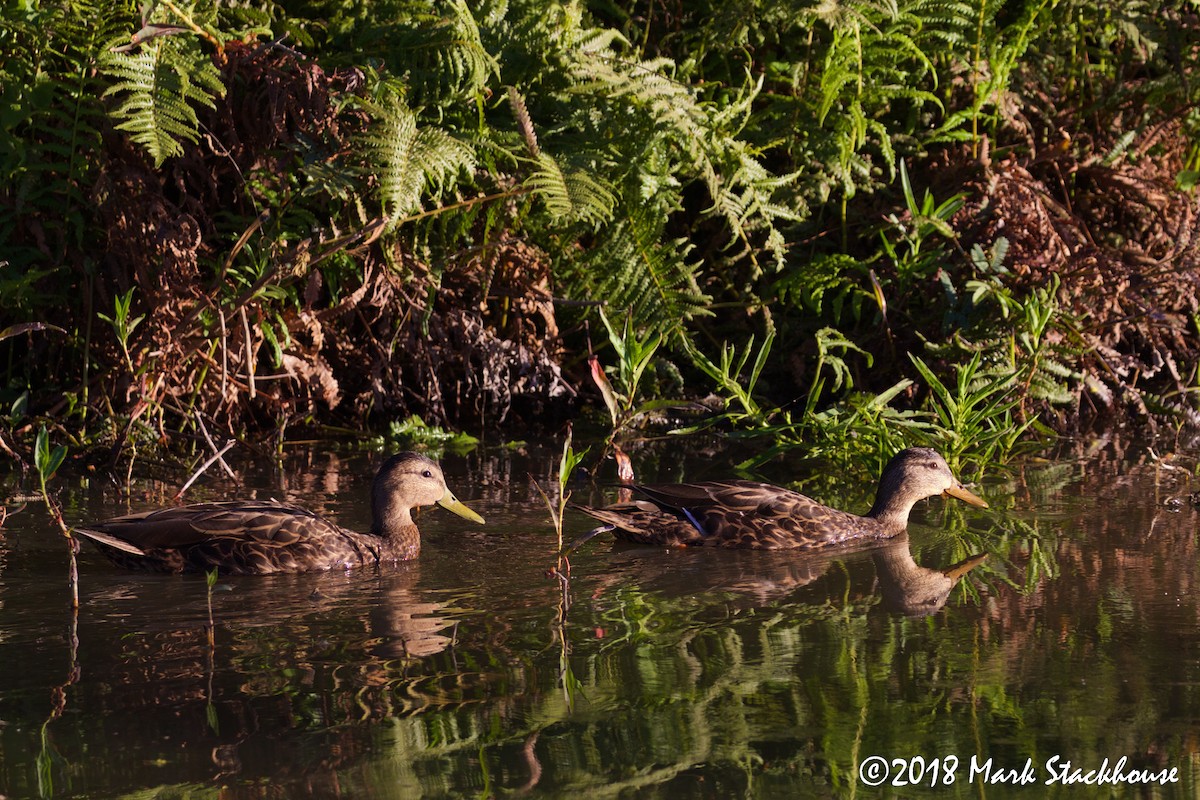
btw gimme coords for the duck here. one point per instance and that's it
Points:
(747, 514)
(262, 537)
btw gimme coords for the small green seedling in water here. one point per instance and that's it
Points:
(121, 324)
(210, 711)
(47, 460)
(634, 356)
(210, 579)
(567, 463)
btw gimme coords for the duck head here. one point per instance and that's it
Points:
(406, 481)
(914, 474)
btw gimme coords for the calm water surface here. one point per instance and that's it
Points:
(471, 673)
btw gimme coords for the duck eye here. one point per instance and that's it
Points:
(427, 474)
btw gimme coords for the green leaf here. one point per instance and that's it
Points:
(411, 160)
(572, 195)
(276, 350)
(27, 327)
(47, 460)
(611, 400)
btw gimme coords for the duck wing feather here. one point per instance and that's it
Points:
(237, 536)
(734, 513)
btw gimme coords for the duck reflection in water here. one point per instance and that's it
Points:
(913, 590)
(361, 647)
(406, 625)
(818, 579)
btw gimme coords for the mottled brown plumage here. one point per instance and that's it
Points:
(746, 514)
(257, 537)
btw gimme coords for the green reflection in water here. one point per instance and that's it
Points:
(670, 674)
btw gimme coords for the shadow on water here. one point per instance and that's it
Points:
(652, 673)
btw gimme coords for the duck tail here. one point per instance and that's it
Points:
(108, 540)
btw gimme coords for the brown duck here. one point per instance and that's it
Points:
(257, 537)
(740, 513)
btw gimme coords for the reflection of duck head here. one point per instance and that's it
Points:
(913, 590)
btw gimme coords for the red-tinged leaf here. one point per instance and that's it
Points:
(606, 390)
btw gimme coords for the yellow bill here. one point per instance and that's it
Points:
(451, 503)
(967, 496)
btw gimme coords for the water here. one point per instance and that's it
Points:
(472, 673)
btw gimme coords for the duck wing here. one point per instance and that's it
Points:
(733, 495)
(239, 537)
(734, 513)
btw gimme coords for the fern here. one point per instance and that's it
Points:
(50, 133)
(408, 159)
(833, 286)
(440, 52)
(873, 61)
(571, 195)
(634, 268)
(704, 135)
(159, 84)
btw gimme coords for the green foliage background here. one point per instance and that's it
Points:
(822, 175)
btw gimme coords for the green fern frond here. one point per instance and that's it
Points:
(634, 267)
(1058, 369)
(442, 54)
(409, 160)
(834, 286)
(160, 83)
(1042, 387)
(704, 137)
(571, 195)
(842, 70)
(50, 131)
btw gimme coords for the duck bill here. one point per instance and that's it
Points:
(451, 503)
(966, 496)
(956, 572)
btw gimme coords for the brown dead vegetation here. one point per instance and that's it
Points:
(477, 340)
(1121, 236)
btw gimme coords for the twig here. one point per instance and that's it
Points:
(59, 699)
(535, 766)
(4, 446)
(210, 579)
(224, 353)
(200, 421)
(555, 515)
(565, 675)
(196, 29)
(205, 466)
(240, 243)
(249, 352)
(72, 546)
(582, 540)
